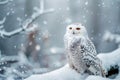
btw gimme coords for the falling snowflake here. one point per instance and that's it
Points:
(22, 45)
(53, 50)
(37, 47)
(86, 3)
(25, 15)
(68, 20)
(60, 9)
(8, 13)
(44, 22)
(103, 4)
(19, 19)
(83, 16)
(67, 8)
(39, 38)
(30, 43)
(15, 46)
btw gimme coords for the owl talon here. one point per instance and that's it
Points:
(71, 66)
(77, 70)
(103, 73)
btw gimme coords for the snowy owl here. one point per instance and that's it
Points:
(81, 53)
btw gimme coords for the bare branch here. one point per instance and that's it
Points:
(27, 22)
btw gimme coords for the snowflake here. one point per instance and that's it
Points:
(37, 47)
(67, 8)
(86, 3)
(68, 20)
(44, 22)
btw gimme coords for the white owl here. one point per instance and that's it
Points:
(81, 53)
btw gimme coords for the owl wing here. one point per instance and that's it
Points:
(90, 48)
(89, 56)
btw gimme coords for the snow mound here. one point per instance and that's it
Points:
(110, 59)
(96, 78)
(64, 73)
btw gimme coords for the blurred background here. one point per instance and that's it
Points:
(44, 47)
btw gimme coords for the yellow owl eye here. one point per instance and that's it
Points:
(70, 28)
(77, 28)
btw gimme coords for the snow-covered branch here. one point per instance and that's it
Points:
(2, 21)
(111, 61)
(108, 36)
(4, 2)
(4, 33)
(27, 22)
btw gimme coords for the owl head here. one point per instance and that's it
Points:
(76, 30)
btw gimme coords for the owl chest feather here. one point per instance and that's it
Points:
(75, 48)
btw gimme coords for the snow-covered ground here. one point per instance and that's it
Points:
(96, 78)
(66, 73)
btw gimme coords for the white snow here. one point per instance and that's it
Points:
(26, 23)
(68, 8)
(56, 50)
(4, 1)
(3, 20)
(37, 47)
(109, 59)
(45, 22)
(19, 19)
(68, 20)
(86, 3)
(66, 73)
(96, 78)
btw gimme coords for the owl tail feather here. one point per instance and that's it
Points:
(103, 74)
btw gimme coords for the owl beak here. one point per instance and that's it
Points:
(73, 32)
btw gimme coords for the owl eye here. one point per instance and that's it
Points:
(77, 28)
(70, 28)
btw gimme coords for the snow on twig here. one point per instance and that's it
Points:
(27, 22)
(4, 2)
(2, 21)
